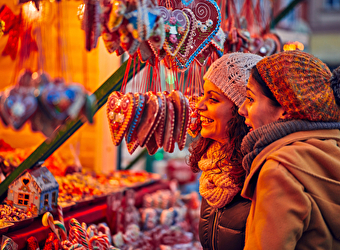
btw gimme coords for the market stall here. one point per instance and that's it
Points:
(149, 104)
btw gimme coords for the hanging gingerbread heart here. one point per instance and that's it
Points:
(203, 57)
(187, 44)
(149, 119)
(176, 25)
(120, 111)
(179, 104)
(169, 140)
(157, 36)
(140, 104)
(144, 51)
(183, 136)
(60, 101)
(218, 40)
(132, 145)
(111, 39)
(114, 17)
(41, 122)
(208, 17)
(159, 132)
(91, 23)
(151, 145)
(17, 107)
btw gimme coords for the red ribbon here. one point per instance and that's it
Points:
(14, 27)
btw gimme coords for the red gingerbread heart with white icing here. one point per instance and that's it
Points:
(120, 111)
(208, 18)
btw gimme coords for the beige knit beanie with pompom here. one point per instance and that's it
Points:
(230, 74)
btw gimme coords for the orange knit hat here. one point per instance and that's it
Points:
(301, 84)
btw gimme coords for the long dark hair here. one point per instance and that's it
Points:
(263, 86)
(230, 151)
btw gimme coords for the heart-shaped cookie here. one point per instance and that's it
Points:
(120, 112)
(183, 136)
(159, 132)
(61, 101)
(140, 104)
(144, 51)
(176, 25)
(149, 119)
(187, 44)
(203, 57)
(151, 145)
(111, 39)
(43, 123)
(208, 17)
(169, 141)
(179, 104)
(17, 106)
(132, 145)
(157, 36)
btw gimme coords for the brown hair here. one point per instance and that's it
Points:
(263, 86)
(235, 131)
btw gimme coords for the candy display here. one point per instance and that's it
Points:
(13, 214)
(80, 235)
(78, 187)
(166, 223)
(10, 158)
(162, 121)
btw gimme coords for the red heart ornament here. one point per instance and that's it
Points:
(132, 145)
(208, 19)
(120, 111)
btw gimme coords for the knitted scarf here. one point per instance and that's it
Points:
(216, 184)
(254, 142)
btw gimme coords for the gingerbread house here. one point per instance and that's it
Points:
(36, 190)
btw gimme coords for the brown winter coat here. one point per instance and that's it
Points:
(294, 185)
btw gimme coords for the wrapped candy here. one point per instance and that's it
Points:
(32, 243)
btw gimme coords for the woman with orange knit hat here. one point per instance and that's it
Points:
(217, 152)
(292, 153)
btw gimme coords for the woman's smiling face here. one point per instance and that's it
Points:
(258, 109)
(216, 111)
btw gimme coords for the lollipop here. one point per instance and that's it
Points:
(47, 220)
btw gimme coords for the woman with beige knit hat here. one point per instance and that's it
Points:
(292, 154)
(217, 152)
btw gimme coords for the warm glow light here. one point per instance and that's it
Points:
(30, 11)
(80, 12)
(293, 46)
